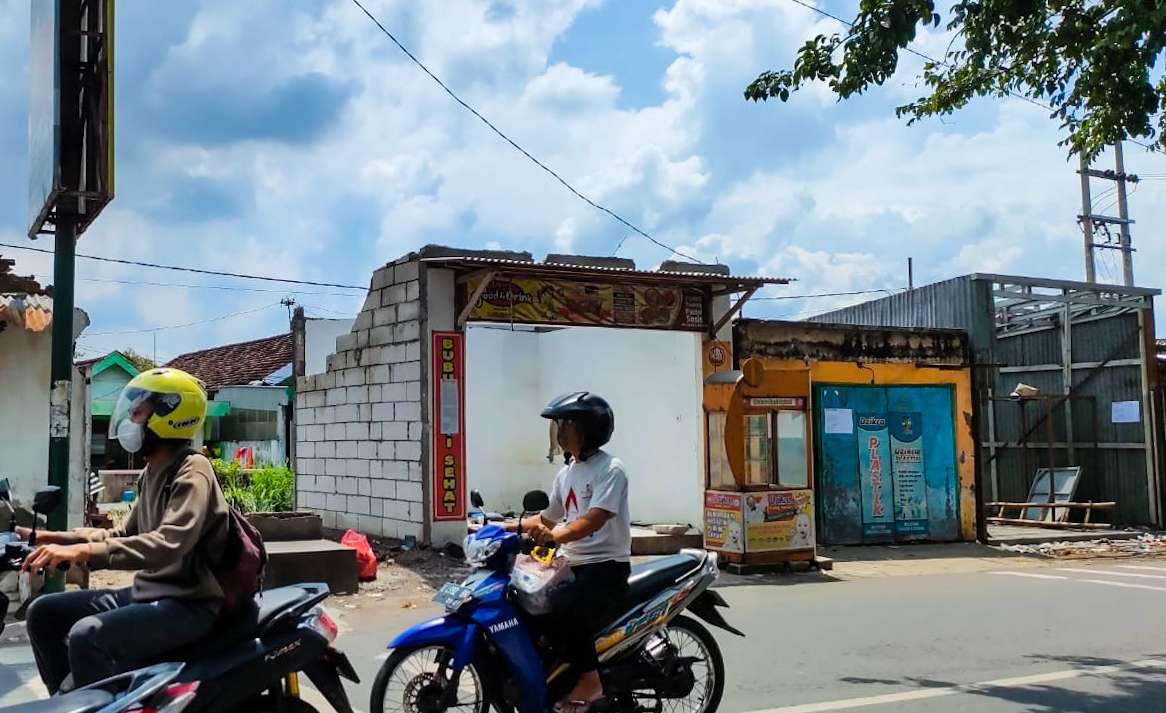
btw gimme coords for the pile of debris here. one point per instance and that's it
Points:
(1145, 545)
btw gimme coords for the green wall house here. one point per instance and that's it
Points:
(107, 376)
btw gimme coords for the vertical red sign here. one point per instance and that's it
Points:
(448, 426)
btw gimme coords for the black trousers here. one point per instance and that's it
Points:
(96, 633)
(579, 607)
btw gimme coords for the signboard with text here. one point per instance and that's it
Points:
(551, 301)
(449, 440)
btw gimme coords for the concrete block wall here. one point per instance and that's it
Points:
(360, 439)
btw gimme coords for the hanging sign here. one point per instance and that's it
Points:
(449, 444)
(907, 464)
(550, 301)
(874, 474)
(782, 520)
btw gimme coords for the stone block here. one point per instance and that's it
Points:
(356, 394)
(413, 391)
(333, 432)
(394, 353)
(336, 396)
(347, 486)
(345, 342)
(408, 491)
(406, 331)
(313, 433)
(347, 413)
(364, 486)
(315, 399)
(370, 525)
(394, 294)
(413, 290)
(346, 449)
(415, 430)
(335, 466)
(406, 272)
(357, 467)
(326, 449)
(356, 431)
(395, 469)
(381, 335)
(371, 301)
(413, 351)
(408, 310)
(383, 277)
(384, 489)
(305, 416)
(416, 472)
(406, 371)
(306, 450)
(386, 450)
(336, 501)
(325, 484)
(408, 411)
(363, 321)
(367, 449)
(358, 504)
(379, 374)
(394, 392)
(383, 412)
(395, 430)
(396, 509)
(384, 315)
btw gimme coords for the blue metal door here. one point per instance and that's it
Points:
(885, 464)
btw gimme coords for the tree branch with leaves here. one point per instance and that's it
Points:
(1094, 64)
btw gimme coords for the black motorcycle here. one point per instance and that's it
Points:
(251, 662)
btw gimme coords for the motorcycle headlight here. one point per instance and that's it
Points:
(478, 551)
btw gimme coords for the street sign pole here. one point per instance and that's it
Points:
(61, 380)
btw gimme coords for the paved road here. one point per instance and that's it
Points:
(1059, 638)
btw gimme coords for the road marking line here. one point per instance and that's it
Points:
(1134, 566)
(919, 695)
(1031, 574)
(1111, 573)
(1124, 584)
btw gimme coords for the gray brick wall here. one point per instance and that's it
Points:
(358, 425)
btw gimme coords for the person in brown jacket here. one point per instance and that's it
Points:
(178, 521)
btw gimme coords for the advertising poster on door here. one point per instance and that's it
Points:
(874, 475)
(781, 520)
(907, 464)
(723, 529)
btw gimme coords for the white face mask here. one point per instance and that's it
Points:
(130, 435)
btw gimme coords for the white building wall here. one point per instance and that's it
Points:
(652, 380)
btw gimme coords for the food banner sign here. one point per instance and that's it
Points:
(449, 444)
(874, 474)
(781, 520)
(722, 521)
(539, 301)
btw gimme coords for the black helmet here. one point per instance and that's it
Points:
(590, 410)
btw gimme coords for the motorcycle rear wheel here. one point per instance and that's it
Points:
(409, 682)
(690, 638)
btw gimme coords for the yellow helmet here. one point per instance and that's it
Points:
(169, 402)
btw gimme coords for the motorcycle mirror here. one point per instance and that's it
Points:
(476, 499)
(47, 500)
(535, 501)
(4, 488)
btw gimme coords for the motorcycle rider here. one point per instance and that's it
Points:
(179, 517)
(588, 519)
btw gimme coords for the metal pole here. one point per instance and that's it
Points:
(1087, 222)
(910, 273)
(1123, 212)
(62, 363)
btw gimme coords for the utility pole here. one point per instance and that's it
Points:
(61, 368)
(910, 273)
(1096, 225)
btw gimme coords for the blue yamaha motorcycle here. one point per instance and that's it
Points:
(487, 651)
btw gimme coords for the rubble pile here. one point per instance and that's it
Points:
(1146, 544)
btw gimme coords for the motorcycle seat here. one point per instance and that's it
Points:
(650, 578)
(265, 614)
(77, 702)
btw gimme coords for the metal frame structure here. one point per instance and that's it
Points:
(1024, 305)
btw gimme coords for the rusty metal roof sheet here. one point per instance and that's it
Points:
(564, 269)
(31, 312)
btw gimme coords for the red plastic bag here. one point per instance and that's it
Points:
(366, 561)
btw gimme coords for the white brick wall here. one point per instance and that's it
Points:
(358, 425)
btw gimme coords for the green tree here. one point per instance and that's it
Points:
(1091, 62)
(143, 363)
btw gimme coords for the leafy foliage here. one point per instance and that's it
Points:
(266, 489)
(140, 362)
(1091, 62)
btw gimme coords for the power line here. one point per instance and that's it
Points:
(199, 271)
(514, 144)
(929, 58)
(180, 326)
(232, 288)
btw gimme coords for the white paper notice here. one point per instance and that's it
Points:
(1125, 412)
(839, 420)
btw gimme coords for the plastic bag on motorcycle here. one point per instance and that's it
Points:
(535, 582)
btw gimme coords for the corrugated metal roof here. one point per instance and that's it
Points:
(32, 312)
(566, 269)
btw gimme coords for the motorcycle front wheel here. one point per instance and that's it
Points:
(418, 681)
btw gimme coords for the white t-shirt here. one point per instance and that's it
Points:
(598, 482)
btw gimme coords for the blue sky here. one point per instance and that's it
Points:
(293, 139)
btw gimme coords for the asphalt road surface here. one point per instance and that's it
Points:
(1067, 637)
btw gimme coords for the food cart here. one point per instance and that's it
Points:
(759, 497)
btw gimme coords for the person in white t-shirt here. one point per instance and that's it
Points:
(588, 520)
